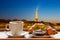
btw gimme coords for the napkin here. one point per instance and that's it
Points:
(56, 35)
(3, 35)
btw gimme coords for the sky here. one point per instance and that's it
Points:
(26, 9)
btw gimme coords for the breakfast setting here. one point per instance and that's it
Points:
(38, 30)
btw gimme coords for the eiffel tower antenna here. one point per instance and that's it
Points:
(36, 17)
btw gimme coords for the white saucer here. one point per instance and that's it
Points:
(9, 33)
(24, 33)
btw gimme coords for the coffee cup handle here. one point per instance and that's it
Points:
(6, 27)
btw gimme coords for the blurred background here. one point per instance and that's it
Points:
(25, 10)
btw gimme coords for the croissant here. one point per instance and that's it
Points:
(51, 32)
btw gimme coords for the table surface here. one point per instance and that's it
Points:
(30, 39)
(22, 38)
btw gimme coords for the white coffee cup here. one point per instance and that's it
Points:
(16, 27)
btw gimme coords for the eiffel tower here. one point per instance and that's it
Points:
(36, 17)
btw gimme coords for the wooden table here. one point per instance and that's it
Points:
(29, 39)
